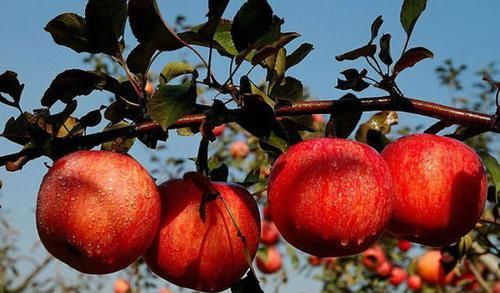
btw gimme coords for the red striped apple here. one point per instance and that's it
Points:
(203, 255)
(440, 188)
(330, 197)
(97, 211)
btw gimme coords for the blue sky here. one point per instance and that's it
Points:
(465, 31)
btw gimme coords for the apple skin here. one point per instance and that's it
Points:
(269, 234)
(219, 130)
(97, 211)
(270, 261)
(122, 286)
(239, 149)
(440, 188)
(429, 268)
(373, 257)
(398, 275)
(414, 282)
(204, 256)
(404, 245)
(330, 197)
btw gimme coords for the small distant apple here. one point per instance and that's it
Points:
(219, 130)
(414, 282)
(269, 234)
(269, 261)
(239, 149)
(122, 286)
(398, 276)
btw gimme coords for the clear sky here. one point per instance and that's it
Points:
(465, 31)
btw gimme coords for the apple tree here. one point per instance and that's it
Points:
(275, 189)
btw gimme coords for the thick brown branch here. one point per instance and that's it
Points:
(481, 122)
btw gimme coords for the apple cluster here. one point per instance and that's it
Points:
(100, 211)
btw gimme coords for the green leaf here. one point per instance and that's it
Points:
(273, 47)
(292, 90)
(139, 58)
(365, 51)
(70, 30)
(171, 102)
(149, 27)
(298, 55)
(223, 42)
(173, 70)
(220, 173)
(373, 131)
(276, 65)
(248, 87)
(411, 57)
(410, 12)
(252, 21)
(75, 82)
(375, 28)
(10, 85)
(492, 167)
(345, 123)
(105, 24)
(216, 9)
(385, 49)
(120, 144)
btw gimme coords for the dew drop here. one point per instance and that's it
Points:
(361, 240)
(344, 242)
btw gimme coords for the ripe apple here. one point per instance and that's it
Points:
(414, 282)
(121, 286)
(239, 149)
(203, 255)
(97, 211)
(373, 257)
(314, 260)
(496, 287)
(219, 130)
(330, 197)
(269, 234)
(384, 269)
(429, 268)
(404, 245)
(149, 89)
(269, 261)
(164, 290)
(398, 275)
(440, 188)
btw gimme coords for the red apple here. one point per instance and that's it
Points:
(239, 149)
(164, 290)
(149, 89)
(496, 287)
(404, 245)
(373, 257)
(314, 260)
(121, 286)
(269, 234)
(414, 282)
(398, 275)
(267, 213)
(269, 261)
(97, 211)
(203, 255)
(429, 268)
(384, 269)
(440, 188)
(330, 197)
(219, 130)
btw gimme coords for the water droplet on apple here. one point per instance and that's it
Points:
(361, 240)
(344, 242)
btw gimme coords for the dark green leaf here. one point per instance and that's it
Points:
(173, 70)
(492, 167)
(291, 89)
(16, 130)
(57, 120)
(354, 80)
(139, 58)
(75, 82)
(411, 57)
(248, 87)
(345, 123)
(365, 51)
(276, 65)
(298, 55)
(216, 9)
(252, 178)
(149, 27)
(91, 119)
(171, 102)
(105, 24)
(220, 173)
(410, 12)
(223, 40)
(70, 30)
(385, 49)
(252, 21)
(10, 85)
(273, 47)
(375, 28)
